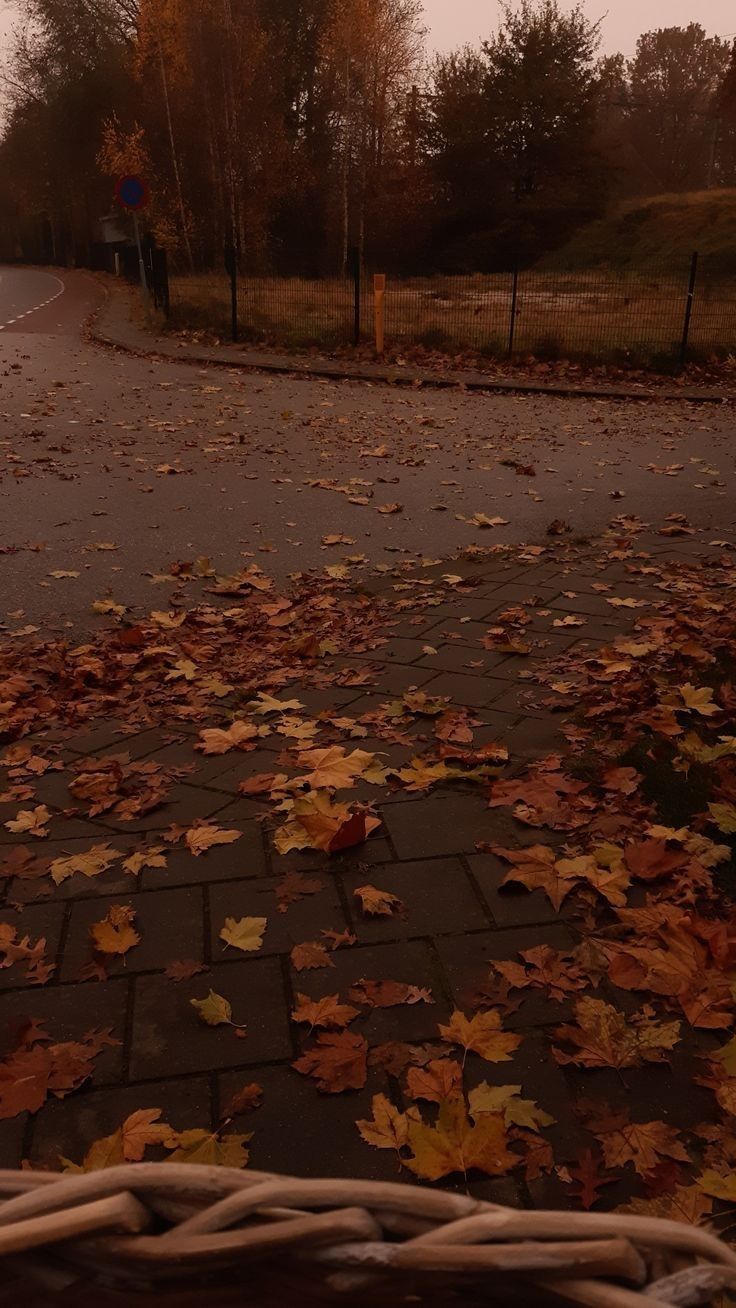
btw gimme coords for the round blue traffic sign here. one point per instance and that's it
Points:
(132, 192)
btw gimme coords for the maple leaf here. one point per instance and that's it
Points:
(388, 994)
(90, 864)
(505, 1099)
(198, 1146)
(126, 1145)
(243, 1101)
(379, 903)
(267, 704)
(200, 838)
(245, 934)
(327, 1012)
(440, 1080)
(317, 823)
(482, 1034)
(649, 859)
(686, 1203)
(717, 1185)
(32, 822)
(142, 858)
(421, 775)
(699, 699)
(217, 741)
(214, 1010)
(295, 886)
(262, 783)
(456, 1145)
(184, 969)
(310, 955)
(640, 1143)
(724, 816)
(333, 768)
(389, 1128)
(115, 933)
(604, 1037)
(337, 1062)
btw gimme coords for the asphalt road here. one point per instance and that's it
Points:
(114, 467)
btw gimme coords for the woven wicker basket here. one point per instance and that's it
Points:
(190, 1233)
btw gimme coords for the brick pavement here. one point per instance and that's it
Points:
(457, 917)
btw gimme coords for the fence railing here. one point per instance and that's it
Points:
(657, 317)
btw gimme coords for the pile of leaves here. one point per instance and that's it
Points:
(629, 834)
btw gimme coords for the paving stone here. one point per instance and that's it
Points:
(38, 921)
(400, 649)
(451, 823)
(58, 826)
(462, 689)
(184, 805)
(169, 1038)
(412, 962)
(239, 767)
(467, 633)
(169, 923)
(535, 738)
(512, 905)
(115, 738)
(68, 1013)
(206, 769)
(466, 961)
(458, 658)
(291, 1128)
(596, 605)
(396, 680)
(302, 921)
(69, 1126)
(114, 881)
(243, 858)
(438, 896)
(375, 850)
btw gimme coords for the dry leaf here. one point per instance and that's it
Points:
(115, 933)
(336, 1062)
(482, 1034)
(245, 934)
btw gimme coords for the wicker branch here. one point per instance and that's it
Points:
(165, 1223)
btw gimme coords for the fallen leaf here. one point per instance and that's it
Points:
(115, 933)
(327, 1012)
(378, 903)
(482, 1034)
(336, 1062)
(456, 1145)
(245, 934)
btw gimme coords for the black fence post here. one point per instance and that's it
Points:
(231, 266)
(514, 300)
(355, 266)
(688, 310)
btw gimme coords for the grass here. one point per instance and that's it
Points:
(661, 230)
(622, 316)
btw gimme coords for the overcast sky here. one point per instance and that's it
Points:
(453, 22)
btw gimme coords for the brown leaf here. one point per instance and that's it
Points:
(243, 1101)
(337, 1062)
(388, 994)
(200, 838)
(310, 955)
(606, 1038)
(439, 1080)
(327, 1012)
(379, 903)
(388, 1129)
(295, 886)
(481, 1033)
(184, 969)
(454, 1144)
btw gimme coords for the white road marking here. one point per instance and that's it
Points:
(36, 307)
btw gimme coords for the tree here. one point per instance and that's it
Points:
(673, 80)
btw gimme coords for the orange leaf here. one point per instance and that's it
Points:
(378, 903)
(481, 1033)
(336, 1062)
(323, 1012)
(456, 1145)
(115, 933)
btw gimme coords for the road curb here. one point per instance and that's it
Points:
(135, 340)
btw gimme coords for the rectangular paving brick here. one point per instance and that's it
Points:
(169, 923)
(463, 689)
(437, 894)
(243, 858)
(69, 1126)
(451, 823)
(467, 964)
(68, 1012)
(37, 921)
(512, 905)
(302, 921)
(170, 1039)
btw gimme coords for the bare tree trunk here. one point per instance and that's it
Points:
(344, 252)
(174, 157)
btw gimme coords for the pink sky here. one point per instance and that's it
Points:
(453, 22)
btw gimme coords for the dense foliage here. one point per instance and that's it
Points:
(312, 126)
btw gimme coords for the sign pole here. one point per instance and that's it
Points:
(141, 265)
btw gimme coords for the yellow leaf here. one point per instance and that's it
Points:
(604, 1037)
(168, 621)
(90, 864)
(481, 1033)
(199, 839)
(108, 606)
(115, 933)
(325, 1012)
(152, 857)
(214, 1010)
(246, 934)
(210, 1150)
(727, 1055)
(378, 903)
(218, 741)
(505, 1099)
(454, 1145)
(30, 821)
(267, 704)
(333, 768)
(389, 1128)
(724, 816)
(719, 1187)
(699, 699)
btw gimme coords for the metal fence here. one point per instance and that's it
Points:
(657, 317)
